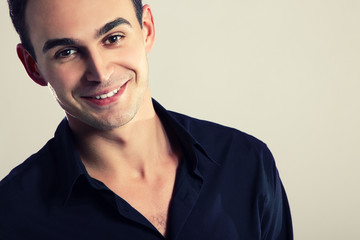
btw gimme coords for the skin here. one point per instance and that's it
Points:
(88, 48)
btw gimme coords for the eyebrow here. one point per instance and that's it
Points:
(111, 25)
(51, 43)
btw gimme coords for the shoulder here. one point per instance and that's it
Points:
(26, 177)
(24, 191)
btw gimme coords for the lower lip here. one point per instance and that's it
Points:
(107, 101)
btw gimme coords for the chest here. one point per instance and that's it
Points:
(150, 199)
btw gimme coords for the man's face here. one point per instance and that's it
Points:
(92, 53)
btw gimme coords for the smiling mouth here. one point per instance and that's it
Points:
(107, 95)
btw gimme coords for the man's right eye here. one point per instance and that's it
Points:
(65, 53)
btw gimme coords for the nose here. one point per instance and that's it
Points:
(99, 68)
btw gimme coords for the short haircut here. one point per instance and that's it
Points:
(17, 13)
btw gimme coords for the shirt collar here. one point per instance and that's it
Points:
(181, 124)
(65, 152)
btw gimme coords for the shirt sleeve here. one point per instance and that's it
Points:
(276, 223)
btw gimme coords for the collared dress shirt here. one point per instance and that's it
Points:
(226, 187)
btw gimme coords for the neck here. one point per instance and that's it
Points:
(133, 150)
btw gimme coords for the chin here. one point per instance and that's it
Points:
(112, 123)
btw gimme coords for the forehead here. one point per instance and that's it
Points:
(73, 18)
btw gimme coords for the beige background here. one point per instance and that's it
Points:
(286, 72)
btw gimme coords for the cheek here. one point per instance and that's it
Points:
(64, 78)
(132, 57)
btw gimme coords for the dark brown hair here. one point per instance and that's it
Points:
(17, 13)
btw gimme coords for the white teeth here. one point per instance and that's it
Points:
(110, 94)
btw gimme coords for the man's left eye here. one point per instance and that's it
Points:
(113, 39)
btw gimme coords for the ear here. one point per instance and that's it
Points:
(30, 65)
(148, 28)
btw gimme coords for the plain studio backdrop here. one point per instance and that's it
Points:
(286, 72)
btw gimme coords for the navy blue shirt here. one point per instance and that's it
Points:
(227, 187)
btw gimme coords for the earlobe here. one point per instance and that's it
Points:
(30, 65)
(148, 28)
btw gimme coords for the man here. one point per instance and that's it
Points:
(120, 166)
